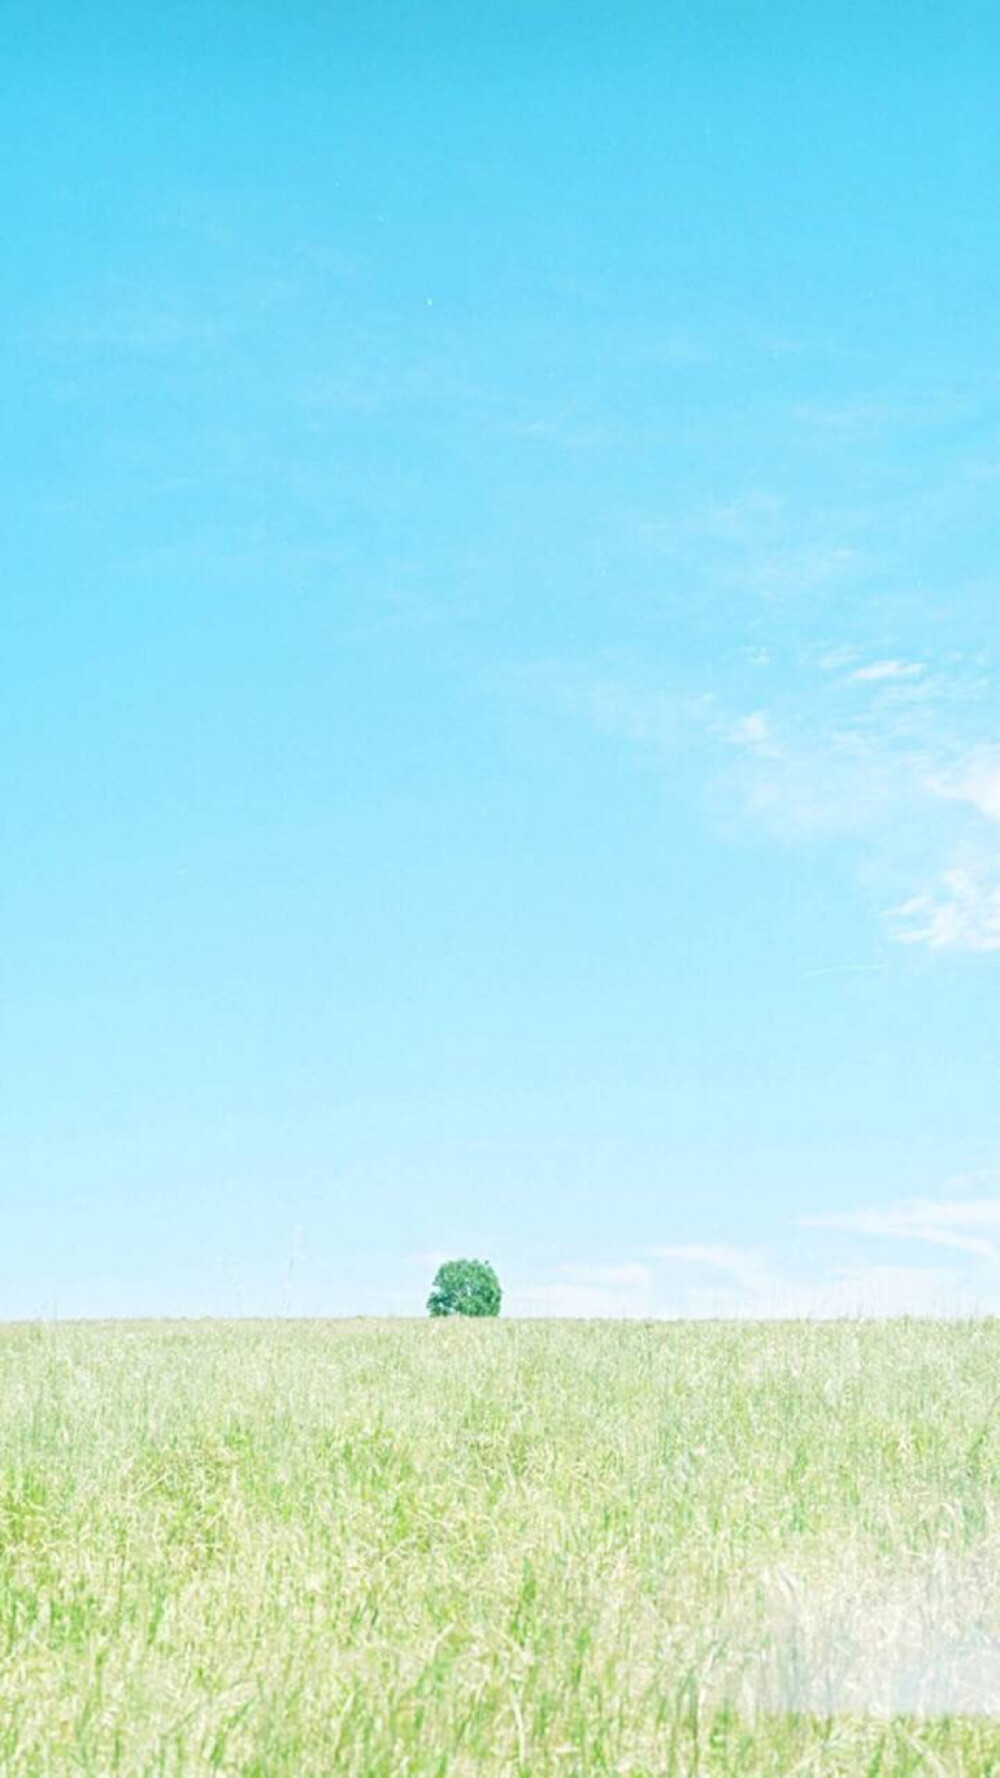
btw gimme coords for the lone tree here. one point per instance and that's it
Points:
(465, 1287)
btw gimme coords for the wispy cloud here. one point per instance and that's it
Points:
(968, 1227)
(617, 1277)
(880, 752)
(687, 1290)
(974, 779)
(875, 410)
(963, 914)
(877, 672)
(977, 1179)
(744, 1264)
(823, 1268)
(755, 733)
(604, 1292)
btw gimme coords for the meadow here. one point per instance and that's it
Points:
(469, 1549)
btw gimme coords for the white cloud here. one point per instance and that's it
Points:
(658, 720)
(755, 733)
(755, 1294)
(904, 778)
(878, 671)
(804, 569)
(742, 1263)
(963, 916)
(975, 780)
(618, 1277)
(963, 1225)
(871, 411)
(577, 1296)
(834, 660)
(742, 521)
(810, 787)
(798, 1277)
(976, 1180)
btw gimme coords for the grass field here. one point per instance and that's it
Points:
(505, 1548)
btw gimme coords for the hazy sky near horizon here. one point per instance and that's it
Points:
(501, 656)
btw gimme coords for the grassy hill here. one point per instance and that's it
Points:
(430, 1549)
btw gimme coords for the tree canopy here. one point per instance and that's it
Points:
(465, 1287)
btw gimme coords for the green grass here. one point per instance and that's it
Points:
(510, 1548)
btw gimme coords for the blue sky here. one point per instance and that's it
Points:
(500, 675)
